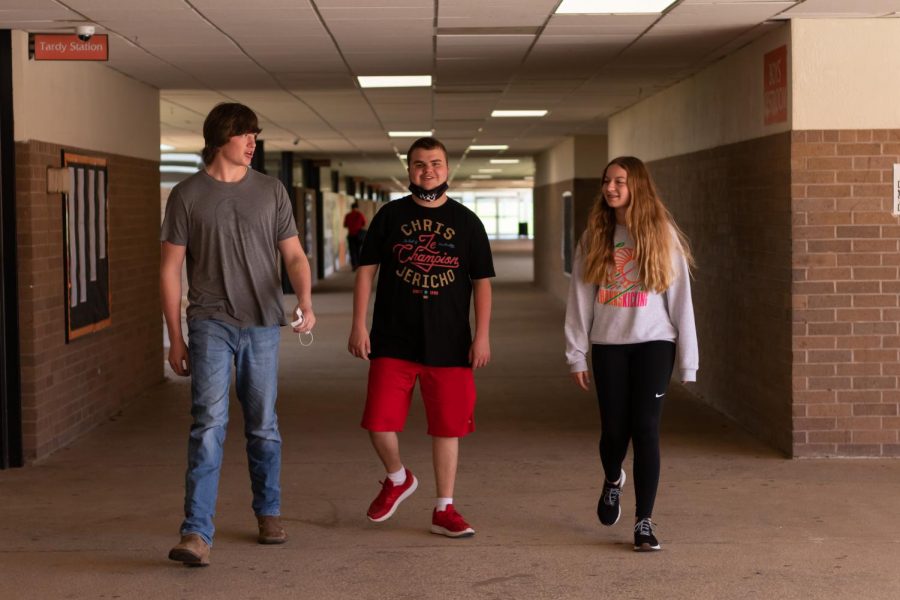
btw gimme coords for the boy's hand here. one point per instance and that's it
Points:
(179, 359)
(358, 345)
(479, 353)
(306, 320)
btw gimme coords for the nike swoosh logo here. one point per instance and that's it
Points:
(660, 395)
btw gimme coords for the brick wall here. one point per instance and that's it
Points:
(734, 204)
(67, 389)
(846, 289)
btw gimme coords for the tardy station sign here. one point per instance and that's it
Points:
(69, 47)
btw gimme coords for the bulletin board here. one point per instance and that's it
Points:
(86, 245)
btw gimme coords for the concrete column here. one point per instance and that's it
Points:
(573, 167)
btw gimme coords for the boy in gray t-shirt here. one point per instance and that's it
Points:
(230, 223)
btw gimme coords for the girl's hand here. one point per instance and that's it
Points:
(582, 380)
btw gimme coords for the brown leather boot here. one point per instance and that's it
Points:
(191, 550)
(271, 530)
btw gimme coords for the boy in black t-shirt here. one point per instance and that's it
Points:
(433, 255)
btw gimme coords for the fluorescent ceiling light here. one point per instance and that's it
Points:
(181, 157)
(479, 177)
(490, 170)
(166, 147)
(177, 169)
(612, 7)
(504, 161)
(410, 134)
(489, 147)
(394, 81)
(518, 113)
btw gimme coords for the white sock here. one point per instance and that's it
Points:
(398, 477)
(441, 503)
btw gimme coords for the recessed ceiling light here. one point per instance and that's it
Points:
(518, 113)
(410, 134)
(166, 147)
(479, 177)
(489, 147)
(490, 170)
(504, 161)
(393, 81)
(612, 7)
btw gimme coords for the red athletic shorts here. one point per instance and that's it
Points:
(448, 392)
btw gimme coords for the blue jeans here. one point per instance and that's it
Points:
(213, 347)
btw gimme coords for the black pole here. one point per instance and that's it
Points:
(312, 180)
(10, 376)
(286, 173)
(258, 162)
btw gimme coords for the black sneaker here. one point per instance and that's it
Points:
(644, 540)
(608, 509)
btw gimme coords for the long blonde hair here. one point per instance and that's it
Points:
(655, 234)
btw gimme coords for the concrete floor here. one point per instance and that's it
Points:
(735, 518)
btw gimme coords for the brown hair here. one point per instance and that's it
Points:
(426, 143)
(223, 122)
(655, 234)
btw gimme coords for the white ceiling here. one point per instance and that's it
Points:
(295, 62)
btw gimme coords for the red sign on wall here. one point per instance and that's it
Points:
(775, 86)
(69, 47)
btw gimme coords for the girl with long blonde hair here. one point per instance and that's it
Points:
(630, 307)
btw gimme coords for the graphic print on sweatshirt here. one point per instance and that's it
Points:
(627, 290)
(427, 256)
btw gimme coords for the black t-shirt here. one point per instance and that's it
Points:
(427, 260)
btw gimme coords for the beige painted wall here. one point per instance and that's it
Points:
(591, 152)
(556, 164)
(83, 104)
(582, 157)
(723, 104)
(846, 73)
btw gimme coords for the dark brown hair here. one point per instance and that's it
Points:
(426, 143)
(223, 122)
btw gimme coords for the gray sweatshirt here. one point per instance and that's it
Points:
(625, 313)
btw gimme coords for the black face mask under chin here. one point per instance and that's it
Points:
(428, 195)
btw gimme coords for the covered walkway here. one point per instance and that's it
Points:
(736, 519)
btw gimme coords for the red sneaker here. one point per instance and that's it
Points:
(450, 523)
(390, 497)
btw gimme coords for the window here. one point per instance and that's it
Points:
(506, 214)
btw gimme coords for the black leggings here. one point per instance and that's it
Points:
(631, 382)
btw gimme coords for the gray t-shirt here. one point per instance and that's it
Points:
(231, 231)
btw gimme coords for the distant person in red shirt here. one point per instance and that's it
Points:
(355, 223)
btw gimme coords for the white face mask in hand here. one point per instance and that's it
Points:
(301, 334)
